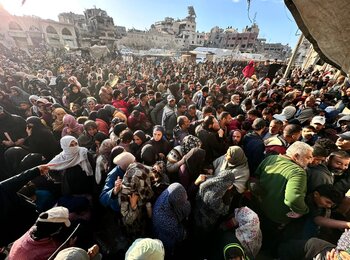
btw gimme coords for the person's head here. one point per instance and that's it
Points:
(267, 113)
(259, 125)
(171, 100)
(318, 122)
(90, 127)
(320, 154)
(211, 123)
(139, 137)
(225, 118)
(300, 153)
(338, 162)
(143, 97)
(50, 223)
(308, 132)
(343, 142)
(91, 103)
(209, 101)
(235, 99)
(124, 159)
(117, 94)
(75, 89)
(236, 137)
(24, 105)
(146, 249)
(126, 136)
(326, 196)
(192, 110)
(158, 132)
(275, 127)
(252, 114)
(183, 122)
(292, 133)
(234, 251)
(207, 111)
(59, 113)
(205, 91)
(181, 108)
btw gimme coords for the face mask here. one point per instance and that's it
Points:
(72, 150)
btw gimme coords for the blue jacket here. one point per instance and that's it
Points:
(107, 198)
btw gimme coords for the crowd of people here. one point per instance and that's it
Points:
(158, 159)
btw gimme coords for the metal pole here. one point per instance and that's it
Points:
(294, 54)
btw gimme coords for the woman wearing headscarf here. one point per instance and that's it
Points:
(178, 155)
(135, 193)
(86, 139)
(58, 125)
(91, 103)
(213, 200)
(116, 113)
(7, 104)
(113, 184)
(140, 138)
(160, 144)
(190, 173)
(103, 120)
(234, 160)
(249, 70)
(75, 95)
(71, 126)
(99, 137)
(76, 164)
(105, 94)
(40, 139)
(170, 211)
(44, 111)
(18, 95)
(102, 160)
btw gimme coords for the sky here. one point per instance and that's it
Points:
(272, 16)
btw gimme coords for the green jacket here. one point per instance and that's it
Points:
(283, 185)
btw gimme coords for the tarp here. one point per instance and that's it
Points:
(98, 52)
(326, 25)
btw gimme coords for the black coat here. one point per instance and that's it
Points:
(16, 214)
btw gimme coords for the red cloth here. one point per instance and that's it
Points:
(27, 248)
(122, 105)
(102, 126)
(249, 70)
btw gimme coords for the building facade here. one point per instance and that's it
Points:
(29, 31)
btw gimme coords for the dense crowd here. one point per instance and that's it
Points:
(158, 159)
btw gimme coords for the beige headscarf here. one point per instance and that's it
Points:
(58, 124)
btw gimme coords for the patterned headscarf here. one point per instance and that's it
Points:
(137, 180)
(209, 200)
(170, 209)
(248, 232)
(189, 142)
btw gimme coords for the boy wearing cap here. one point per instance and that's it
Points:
(43, 239)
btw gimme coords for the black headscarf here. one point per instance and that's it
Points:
(104, 115)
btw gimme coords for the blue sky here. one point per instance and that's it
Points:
(274, 19)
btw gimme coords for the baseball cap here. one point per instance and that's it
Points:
(55, 215)
(318, 120)
(345, 135)
(170, 97)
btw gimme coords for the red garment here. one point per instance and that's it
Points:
(102, 126)
(249, 70)
(27, 248)
(121, 104)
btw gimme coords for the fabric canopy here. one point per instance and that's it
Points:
(327, 26)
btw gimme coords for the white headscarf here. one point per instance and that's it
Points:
(71, 156)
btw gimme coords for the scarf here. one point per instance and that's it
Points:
(71, 156)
